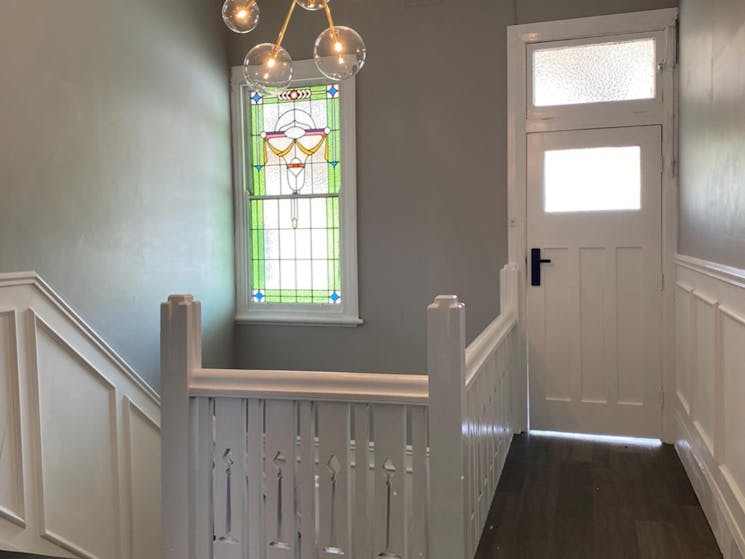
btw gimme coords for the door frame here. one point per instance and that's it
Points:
(519, 39)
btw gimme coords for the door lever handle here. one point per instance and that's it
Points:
(535, 265)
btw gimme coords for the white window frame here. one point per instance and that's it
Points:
(347, 312)
(523, 119)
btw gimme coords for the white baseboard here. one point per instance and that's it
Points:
(721, 518)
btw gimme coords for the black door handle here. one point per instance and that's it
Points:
(535, 265)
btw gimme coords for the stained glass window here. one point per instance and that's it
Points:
(294, 159)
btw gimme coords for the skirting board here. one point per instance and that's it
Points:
(721, 518)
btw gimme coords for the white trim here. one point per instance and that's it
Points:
(727, 274)
(347, 312)
(384, 388)
(35, 280)
(519, 37)
(596, 26)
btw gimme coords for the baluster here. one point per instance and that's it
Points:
(362, 511)
(255, 477)
(390, 451)
(280, 428)
(334, 479)
(306, 480)
(417, 493)
(230, 452)
(202, 417)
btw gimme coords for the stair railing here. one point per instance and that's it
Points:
(288, 464)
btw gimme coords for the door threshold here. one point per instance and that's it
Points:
(611, 439)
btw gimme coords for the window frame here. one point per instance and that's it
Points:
(346, 313)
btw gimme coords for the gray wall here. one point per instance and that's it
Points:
(712, 130)
(432, 195)
(115, 162)
(529, 11)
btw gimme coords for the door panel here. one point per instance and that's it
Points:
(594, 322)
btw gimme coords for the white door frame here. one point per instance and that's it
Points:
(519, 37)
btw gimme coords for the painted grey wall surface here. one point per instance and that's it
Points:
(432, 194)
(115, 163)
(529, 11)
(712, 130)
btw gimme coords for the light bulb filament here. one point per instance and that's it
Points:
(271, 62)
(241, 15)
(338, 46)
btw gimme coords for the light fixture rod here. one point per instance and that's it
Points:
(283, 29)
(330, 19)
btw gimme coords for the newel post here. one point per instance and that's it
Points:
(446, 362)
(180, 352)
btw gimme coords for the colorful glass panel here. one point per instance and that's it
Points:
(295, 180)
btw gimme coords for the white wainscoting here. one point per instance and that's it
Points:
(709, 407)
(79, 435)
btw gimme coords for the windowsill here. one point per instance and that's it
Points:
(292, 319)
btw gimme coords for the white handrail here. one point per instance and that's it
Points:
(388, 388)
(486, 343)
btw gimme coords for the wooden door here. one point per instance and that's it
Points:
(594, 320)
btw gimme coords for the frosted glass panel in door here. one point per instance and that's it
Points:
(594, 73)
(592, 179)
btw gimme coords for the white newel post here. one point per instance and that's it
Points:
(509, 301)
(509, 289)
(446, 346)
(181, 351)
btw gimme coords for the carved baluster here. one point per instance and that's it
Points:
(227, 459)
(279, 463)
(334, 467)
(389, 470)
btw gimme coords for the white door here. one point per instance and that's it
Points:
(594, 322)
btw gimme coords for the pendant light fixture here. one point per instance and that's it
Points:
(339, 52)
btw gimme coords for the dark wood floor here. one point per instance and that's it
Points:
(566, 499)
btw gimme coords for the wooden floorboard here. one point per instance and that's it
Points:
(564, 499)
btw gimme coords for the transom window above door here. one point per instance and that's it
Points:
(572, 74)
(596, 81)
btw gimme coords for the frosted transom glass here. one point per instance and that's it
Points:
(592, 179)
(594, 73)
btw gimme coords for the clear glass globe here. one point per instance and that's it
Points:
(241, 16)
(268, 68)
(339, 52)
(311, 5)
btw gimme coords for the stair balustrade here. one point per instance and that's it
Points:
(305, 464)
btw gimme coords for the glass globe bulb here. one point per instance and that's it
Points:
(311, 5)
(339, 52)
(241, 16)
(268, 68)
